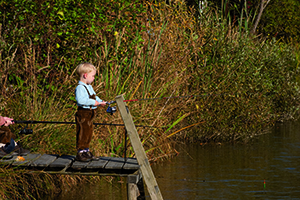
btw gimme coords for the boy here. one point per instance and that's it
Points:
(87, 102)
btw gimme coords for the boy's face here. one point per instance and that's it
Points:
(89, 77)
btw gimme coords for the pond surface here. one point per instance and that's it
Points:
(266, 168)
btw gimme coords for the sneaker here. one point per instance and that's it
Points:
(91, 156)
(83, 157)
(9, 147)
(20, 151)
(4, 155)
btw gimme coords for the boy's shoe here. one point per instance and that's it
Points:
(83, 157)
(20, 151)
(4, 155)
(91, 156)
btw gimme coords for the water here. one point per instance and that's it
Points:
(266, 168)
(106, 189)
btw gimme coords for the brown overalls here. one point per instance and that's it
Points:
(84, 125)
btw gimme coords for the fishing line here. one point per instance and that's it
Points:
(190, 96)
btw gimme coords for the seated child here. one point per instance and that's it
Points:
(8, 146)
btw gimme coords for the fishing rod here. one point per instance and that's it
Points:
(60, 122)
(27, 131)
(110, 110)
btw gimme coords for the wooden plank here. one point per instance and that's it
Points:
(134, 178)
(115, 163)
(44, 160)
(132, 191)
(139, 151)
(135, 186)
(29, 158)
(131, 164)
(98, 164)
(66, 164)
(8, 161)
(62, 162)
(78, 165)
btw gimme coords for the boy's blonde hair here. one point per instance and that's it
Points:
(85, 68)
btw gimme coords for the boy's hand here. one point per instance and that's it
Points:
(103, 103)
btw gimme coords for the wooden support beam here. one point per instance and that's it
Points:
(135, 187)
(139, 151)
(132, 191)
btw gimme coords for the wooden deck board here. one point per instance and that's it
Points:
(28, 160)
(66, 164)
(44, 160)
(8, 161)
(131, 164)
(115, 163)
(77, 165)
(99, 164)
(62, 162)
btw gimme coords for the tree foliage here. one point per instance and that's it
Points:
(64, 31)
(281, 19)
(275, 18)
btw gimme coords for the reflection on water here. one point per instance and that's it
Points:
(265, 168)
(102, 190)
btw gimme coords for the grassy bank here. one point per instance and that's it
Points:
(243, 84)
(19, 184)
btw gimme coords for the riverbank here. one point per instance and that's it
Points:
(243, 83)
(234, 85)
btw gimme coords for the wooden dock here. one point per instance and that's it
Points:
(136, 170)
(66, 164)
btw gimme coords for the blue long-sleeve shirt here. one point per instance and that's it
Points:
(82, 96)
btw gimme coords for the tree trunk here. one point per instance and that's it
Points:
(263, 5)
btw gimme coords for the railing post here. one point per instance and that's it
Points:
(139, 151)
(132, 188)
(135, 187)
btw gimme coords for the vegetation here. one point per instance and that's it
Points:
(281, 26)
(235, 85)
(274, 19)
(19, 184)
